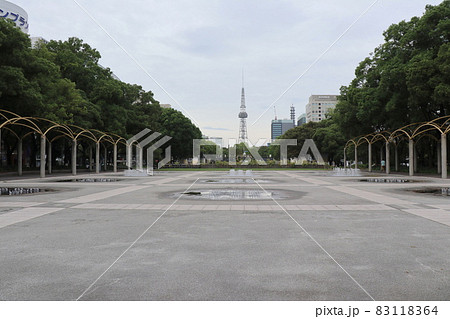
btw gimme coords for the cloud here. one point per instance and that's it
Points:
(196, 49)
(216, 128)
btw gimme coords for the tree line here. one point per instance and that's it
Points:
(405, 80)
(64, 82)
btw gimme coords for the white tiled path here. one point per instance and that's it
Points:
(382, 202)
(102, 195)
(25, 214)
(237, 207)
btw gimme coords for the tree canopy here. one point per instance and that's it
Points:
(325, 134)
(405, 80)
(64, 82)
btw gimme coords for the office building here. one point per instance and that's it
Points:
(318, 107)
(301, 119)
(279, 127)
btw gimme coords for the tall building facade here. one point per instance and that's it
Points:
(318, 107)
(15, 13)
(279, 127)
(301, 119)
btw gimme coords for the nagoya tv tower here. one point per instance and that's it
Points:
(243, 117)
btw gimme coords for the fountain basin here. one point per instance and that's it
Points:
(437, 191)
(240, 172)
(338, 171)
(89, 180)
(234, 181)
(388, 180)
(233, 194)
(14, 191)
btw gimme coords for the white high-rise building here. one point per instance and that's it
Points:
(318, 107)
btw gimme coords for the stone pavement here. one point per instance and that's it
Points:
(322, 238)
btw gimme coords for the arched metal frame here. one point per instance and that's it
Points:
(412, 133)
(49, 131)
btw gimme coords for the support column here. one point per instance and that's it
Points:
(370, 157)
(139, 158)
(1, 149)
(396, 157)
(97, 157)
(49, 157)
(345, 157)
(439, 159)
(411, 157)
(356, 156)
(106, 156)
(74, 157)
(91, 162)
(381, 154)
(129, 155)
(42, 168)
(415, 158)
(115, 158)
(388, 162)
(19, 156)
(444, 155)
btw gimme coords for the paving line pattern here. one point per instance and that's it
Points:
(318, 244)
(30, 211)
(379, 207)
(167, 180)
(102, 195)
(371, 196)
(25, 214)
(314, 181)
(437, 213)
(20, 204)
(132, 244)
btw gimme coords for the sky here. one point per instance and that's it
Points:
(191, 54)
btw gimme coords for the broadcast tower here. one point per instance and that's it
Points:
(243, 117)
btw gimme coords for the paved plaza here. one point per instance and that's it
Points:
(292, 235)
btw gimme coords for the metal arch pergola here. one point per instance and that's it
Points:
(49, 131)
(411, 132)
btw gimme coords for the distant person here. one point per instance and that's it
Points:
(383, 165)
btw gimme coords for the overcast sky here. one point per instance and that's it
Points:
(196, 49)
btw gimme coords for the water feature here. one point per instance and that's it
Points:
(387, 180)
(12, 191)
(439, 191)
(234, 181)
(338, 171)
(233, 194)
(240, 172)
(90, 180)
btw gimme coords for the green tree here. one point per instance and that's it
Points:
(78, 61)
(182, 130)
(405, 80)
(113, 106)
